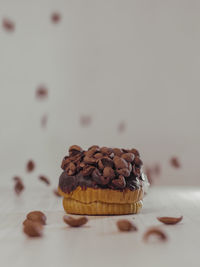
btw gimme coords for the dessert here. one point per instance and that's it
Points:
(102, 181)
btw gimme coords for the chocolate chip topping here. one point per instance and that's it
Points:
(101, 167)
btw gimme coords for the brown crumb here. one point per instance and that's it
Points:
(30, 166)
(175, 162)
(170, 220)
(75, 222)
(44, 179)
(154, 231)
(8, 25)
(55, 17)
(126, 226)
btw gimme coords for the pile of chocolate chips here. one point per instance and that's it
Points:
(103, 167)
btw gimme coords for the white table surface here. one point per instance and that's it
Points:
(99, 243)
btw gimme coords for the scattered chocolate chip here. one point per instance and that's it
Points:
(41, 92)
(109, 172)
(85, 120)
(120, 163)
(37, 216)
(26, 221)
(121, 127)
(120, 182)
(44, 179)
(44, 121)
(135, 152)
(56, 193)
(33, 229)
(155, 231)
(55, 17)
(19, 186)
(30, 166)
(129, 157)
(175, 162)
(170, 220)
(8, 25)
(126, 226)
(75, 222)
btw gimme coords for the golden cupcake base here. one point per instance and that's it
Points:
(92, 201)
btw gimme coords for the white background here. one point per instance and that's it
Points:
(131, 61)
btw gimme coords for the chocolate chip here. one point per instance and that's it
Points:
(135, 152)
(125, 172)
(55, 17)
(75, 222)
(44, 179)
(33, 229)
(30, 166)
(87, 170)
(129, 157)
(126, 226)
(8, 25)
(121, 127)
(41, 92)
(94, 146)
(85, 120)
(175, 162)
(56, 193)
(170, 220)
(106, 150)
(44, 121)
(120, 163)
(136, 171)
(117, 152)
(155, 231)
(19, 186)
(37, 216)
(109, 172)
(91, 152)
(120, 182)
(138, 161)
(71, 169)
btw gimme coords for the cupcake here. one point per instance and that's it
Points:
(102, 181)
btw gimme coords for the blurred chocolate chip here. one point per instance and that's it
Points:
(117, 152)
(120, 182)
(157, 169)
(33, 229)
(138, 161)
(175, 162)
(109, 172)
(56, 193)
(125, 172)
(85, 120)
(87, 170)
(106, 150)
(135, 152)
(44, 179)
(170, 220)
(126, 226)
(55, 17)
(89, 160)
(8, 25)
(120, 163)
(44, 121)
(19, 186)
(121, 127)
(129, 157)
(37, 216)
(75, 222)
(155, 231)
(41, 92)
(30, 166)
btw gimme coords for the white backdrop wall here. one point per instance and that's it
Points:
(136, 62)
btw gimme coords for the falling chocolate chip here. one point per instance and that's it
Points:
(44, 179)
(55, 17)
(121, 127)
(44, 121)
(19, 186)
(175, 162)
(37, 216)
(75, 222)
(170, 220)
(85, 120)
(33, 229)
(157, 169)
(8, 25)
(56, 193)
(30, 166)
(126, 226)
(155, 231)
(41, 92)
